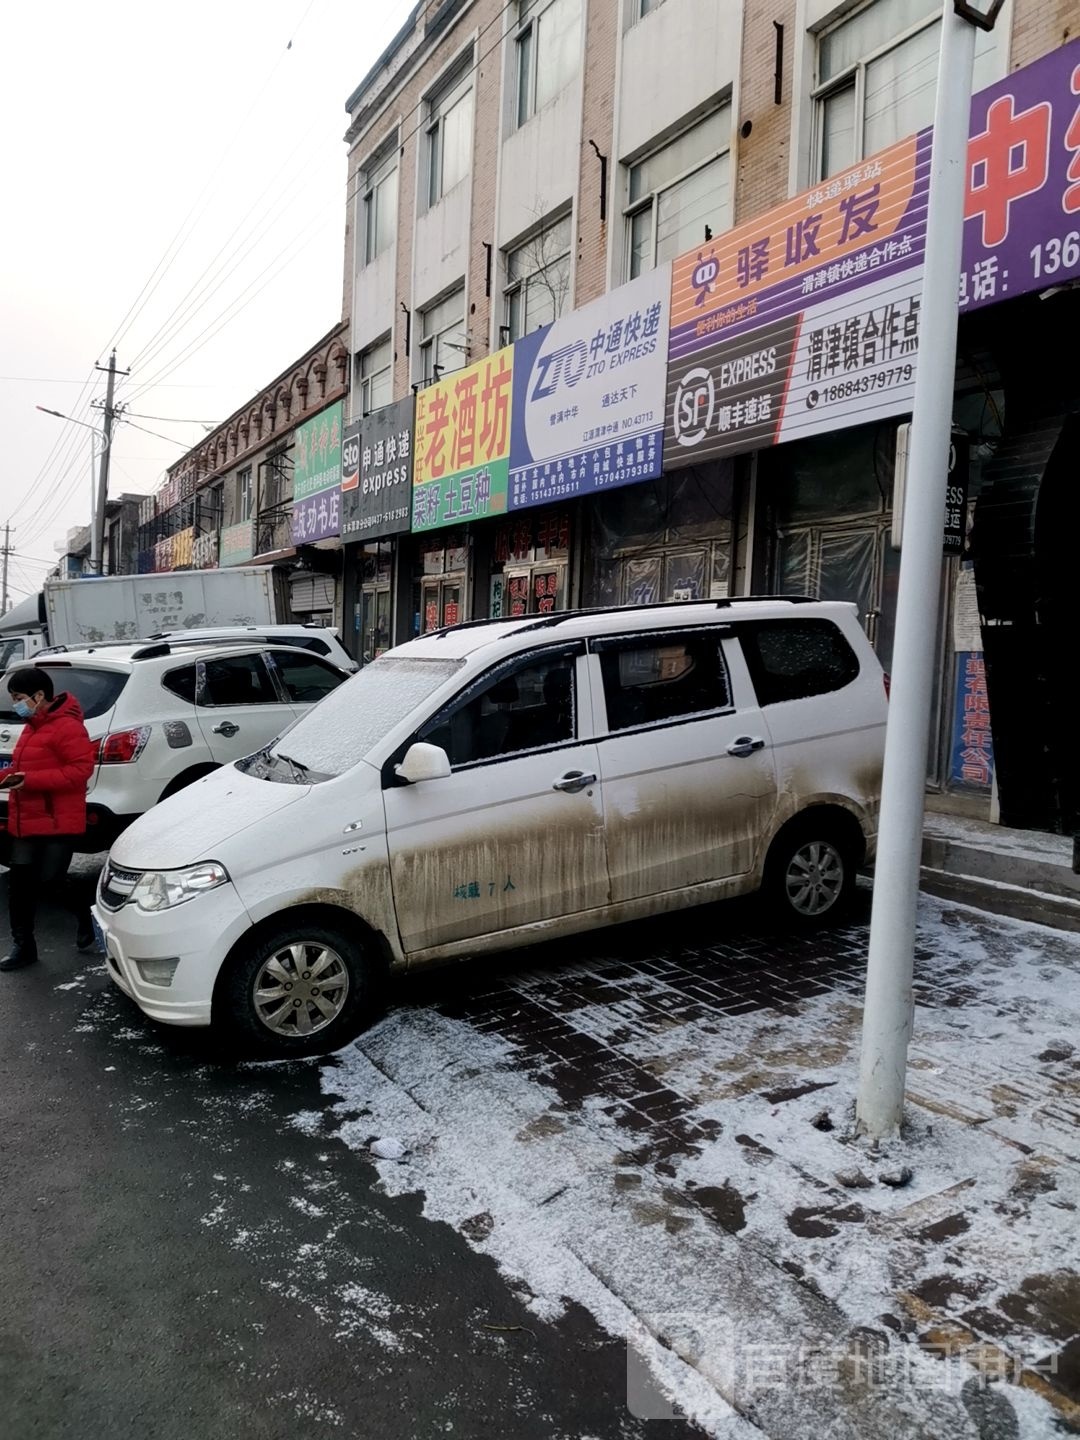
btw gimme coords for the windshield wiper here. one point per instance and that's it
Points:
(300, 770)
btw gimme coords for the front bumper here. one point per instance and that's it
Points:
(198, 935)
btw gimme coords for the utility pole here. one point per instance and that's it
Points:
(6, 553)
(889, 1006)
(97, 545)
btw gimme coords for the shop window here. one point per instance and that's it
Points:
(526, 707)
(548, 49)
(450, 132)
(245, 497)
(877, 78)
(538, 279)
(678, 192)
(439, 591)
(661, 678)
(529, 565)
(794, 659)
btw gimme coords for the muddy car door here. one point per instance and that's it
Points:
(686, 765)
(514, 835)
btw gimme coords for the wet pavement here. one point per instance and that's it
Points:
(603, 1137)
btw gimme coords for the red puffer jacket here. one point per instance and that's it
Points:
(56, 755)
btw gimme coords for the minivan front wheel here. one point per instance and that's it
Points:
(299, 990)
(811, 875)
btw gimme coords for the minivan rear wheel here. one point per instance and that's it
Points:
(811, 875)
(298, 990)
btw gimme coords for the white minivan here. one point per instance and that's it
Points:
(499, 783)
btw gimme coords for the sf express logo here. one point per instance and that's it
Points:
(350, 462)
(695, 405)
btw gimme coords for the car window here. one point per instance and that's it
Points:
(237, 680)
(526, 707)
(305, 677)
(649, 679)
(182, 682)
(793, 659)
(96, 690)
(11, 652)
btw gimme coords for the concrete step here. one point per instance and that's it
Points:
(1030, 859)
(999, 897)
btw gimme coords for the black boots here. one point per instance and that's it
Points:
(85, 939)
(22, 953)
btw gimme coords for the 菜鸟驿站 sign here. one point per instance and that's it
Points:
(462, 444)
(589, 396)
(804, 320)
(316, 510)
(376, 474)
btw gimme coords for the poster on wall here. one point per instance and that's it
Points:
(377, 474)
(804, 320)
(316, 512)
(462, 444)
(589, 396)
(972, 759)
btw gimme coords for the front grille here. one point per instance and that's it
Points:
(117, 885)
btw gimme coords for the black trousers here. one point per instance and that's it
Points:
(39, 865)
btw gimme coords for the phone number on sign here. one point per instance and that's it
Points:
(863, 384)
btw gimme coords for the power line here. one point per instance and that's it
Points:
(172, 440)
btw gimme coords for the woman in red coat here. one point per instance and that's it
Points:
(46, 783)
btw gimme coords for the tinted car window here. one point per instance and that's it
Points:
(306, 678)
(793, 659)
(182, 682)
(237, 680)
(654, 678)
(96, 690)
(521, 709)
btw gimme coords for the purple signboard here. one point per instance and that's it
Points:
(316, 518)
(1022, 227)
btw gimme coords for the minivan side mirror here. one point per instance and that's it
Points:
(423, 762)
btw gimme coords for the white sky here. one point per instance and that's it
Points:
(117, 123)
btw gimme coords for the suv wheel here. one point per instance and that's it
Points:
(299, 990)
(811, 874)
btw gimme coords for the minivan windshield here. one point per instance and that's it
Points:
(338, 732)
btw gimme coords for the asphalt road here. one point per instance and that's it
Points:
(180, 1260)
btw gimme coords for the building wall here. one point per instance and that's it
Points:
(764, 154)
(603, 30)
(1039, 26)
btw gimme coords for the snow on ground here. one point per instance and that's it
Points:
(772, 1274)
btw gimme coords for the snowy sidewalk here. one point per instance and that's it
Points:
(655, 1124)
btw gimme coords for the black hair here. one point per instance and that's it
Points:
(29, 681)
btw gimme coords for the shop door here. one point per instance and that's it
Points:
(838, 563)
(441, 600)
(534, 589)
(374, 622)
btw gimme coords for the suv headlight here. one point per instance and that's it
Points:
(163, 889)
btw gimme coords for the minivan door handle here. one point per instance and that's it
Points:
(227, 728)
(573, 781)
(745, 745)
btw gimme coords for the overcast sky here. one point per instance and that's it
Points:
(123, 126)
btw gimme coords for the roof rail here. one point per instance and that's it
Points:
(558, 616)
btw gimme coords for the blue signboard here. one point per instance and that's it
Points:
(588, 410)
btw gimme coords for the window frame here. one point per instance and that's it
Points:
(439, 101)
(650, 201)
(367, 381)
(430, 347)
(571, 650)
(853, 78)
(520, 284)
(375, 173)
(245, 494)
(529, 31)
(642, 639)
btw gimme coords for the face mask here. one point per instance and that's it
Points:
(23, 710)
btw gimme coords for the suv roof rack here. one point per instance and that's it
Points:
(544, 622)
(155, 649)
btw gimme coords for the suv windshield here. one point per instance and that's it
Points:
(340, 730)
(95, 690)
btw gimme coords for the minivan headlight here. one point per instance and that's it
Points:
(163, 889)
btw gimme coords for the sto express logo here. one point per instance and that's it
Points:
(694, 410)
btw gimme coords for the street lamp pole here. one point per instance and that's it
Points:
(887, 1017)
(96, 509)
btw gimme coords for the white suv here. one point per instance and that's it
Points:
(500, 783)
(319, 639)
(165, 713)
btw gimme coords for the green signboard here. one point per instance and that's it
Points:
(317, 454)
